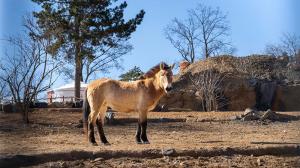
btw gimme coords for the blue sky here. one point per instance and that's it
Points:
(254, 23)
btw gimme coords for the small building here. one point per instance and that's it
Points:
(65, 93)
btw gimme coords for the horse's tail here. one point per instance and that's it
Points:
(86, 112)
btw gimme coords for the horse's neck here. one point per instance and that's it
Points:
(153, 84)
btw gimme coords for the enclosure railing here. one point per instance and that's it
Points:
(61, 99)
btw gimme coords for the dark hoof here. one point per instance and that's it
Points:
(106, 144)
(139, 142)
(146, 142)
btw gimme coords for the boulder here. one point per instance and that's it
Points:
(287, 98)
(240, 94)
(265, 93)
(167, 151)
(269, 115)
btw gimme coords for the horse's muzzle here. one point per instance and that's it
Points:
(169, 89)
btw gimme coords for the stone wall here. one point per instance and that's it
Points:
(241, 88)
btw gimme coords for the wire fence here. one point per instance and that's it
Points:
(62, 99)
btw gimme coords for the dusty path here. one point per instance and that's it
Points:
(53, 133)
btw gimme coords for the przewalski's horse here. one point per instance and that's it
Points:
(141, 96)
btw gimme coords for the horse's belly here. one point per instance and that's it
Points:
(122, 107)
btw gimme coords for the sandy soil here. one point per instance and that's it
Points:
(226, 143)
(217, 161)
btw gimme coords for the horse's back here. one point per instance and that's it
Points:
(119, 95)
(96, 83)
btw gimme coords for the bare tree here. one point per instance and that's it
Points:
(108, 58)
(289, 46)
(208, 86)
(205, 32)
(3, 91)
(91, 68)
(183, 36)
(28, 70)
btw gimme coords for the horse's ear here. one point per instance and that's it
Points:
(172, 66)
(162, 66)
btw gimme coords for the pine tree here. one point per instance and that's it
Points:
(132, 75)
(78, 29)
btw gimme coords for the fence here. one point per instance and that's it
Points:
(49, 100)
(63, 99)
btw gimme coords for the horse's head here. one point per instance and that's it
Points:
(165, 77)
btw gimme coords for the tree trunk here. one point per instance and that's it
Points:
(24, 110)
(78, 75)
(206, 51)
(25, 116)
(78, 59)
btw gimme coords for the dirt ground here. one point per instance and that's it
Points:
(199, 139)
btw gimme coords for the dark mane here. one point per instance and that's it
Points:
(154, 70)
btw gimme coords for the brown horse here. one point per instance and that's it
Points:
(141, 96)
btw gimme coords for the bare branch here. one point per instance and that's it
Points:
(208, 86)
(205, 31)
(29, 70)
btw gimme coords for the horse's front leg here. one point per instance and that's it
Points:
(101, 132)
(141, 136)
(144, 132)
(138, 134)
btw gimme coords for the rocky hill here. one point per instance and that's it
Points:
(235, 83)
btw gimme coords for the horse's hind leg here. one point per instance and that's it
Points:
(91, 122)
(91, 133)
(100, 123)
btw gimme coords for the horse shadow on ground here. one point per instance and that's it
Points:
(275, 143)
(31, 160)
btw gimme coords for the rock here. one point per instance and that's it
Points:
(249, 110)
(175, 162)
(63, 164)
(183, 164)
(267, 91)
(239, 93)
(167, 158)
(287, 98)
(250, 117)
(259, 162)
(167, 151)
(183, 65)
(269, 114)
(98, 159)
